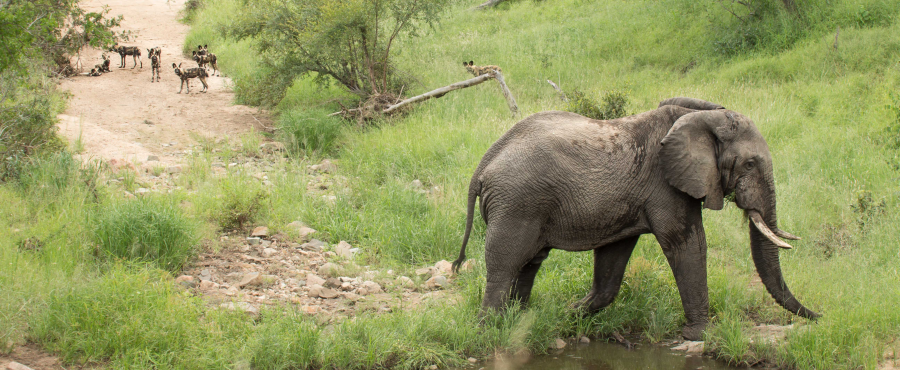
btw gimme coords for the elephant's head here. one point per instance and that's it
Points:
(710, 153)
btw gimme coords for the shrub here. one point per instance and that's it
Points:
(612, 107)
(237, 200)
(148, 230)
(309, 130)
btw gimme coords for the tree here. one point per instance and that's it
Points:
(349, 41)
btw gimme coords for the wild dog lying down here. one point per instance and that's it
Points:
(204, 59)
(480, 70)
(94, 72)
(187, 74)
(154, 62)
(134, 51)
(103, 67)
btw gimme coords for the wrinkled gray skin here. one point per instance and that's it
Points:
(558, 180)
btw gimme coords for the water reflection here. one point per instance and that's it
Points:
(606, 356)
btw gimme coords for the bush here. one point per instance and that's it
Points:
(235, 201)
(309, 131)
(148, 230)
(613, 105)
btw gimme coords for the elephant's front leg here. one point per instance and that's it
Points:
(686, 253)
(609, 267)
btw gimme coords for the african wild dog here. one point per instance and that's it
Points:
(134, 51)
(480, 70)
(103, 67)
(94, 72)
(154, 63)
(204, 59)
(187, 74)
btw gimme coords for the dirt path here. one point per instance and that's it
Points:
(122, 115)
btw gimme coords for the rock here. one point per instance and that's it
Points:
(269, 252)
(371, 287)
(314, 245)
(328, 269)
(425, 272)
(436, 282)
(243, 306)
(208, 285)
(253, 240)
(444, 267)
(343, 250)
(690, 347)
(272, 147)
(260, 231)
(558, 344)
(332, 283)
(186, 280)
(141, 191)
(16, 366)
(314, 280)
(416, 184)
(128, 195)
(584, 340)
(152, 158)
(472, 360)
(173, 169)
(326, 166)
(322, 292)
(433, 367)
(205, 274)
(310, 310)
(251, 279)
(301, 229)
(405, 282)
(469, 265)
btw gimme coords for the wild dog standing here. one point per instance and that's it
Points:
(480, 70)
(204, 59)
(154, 63)
(134, 51)
(103, 67)
(187, 74)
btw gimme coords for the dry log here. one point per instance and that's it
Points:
(562, 95)
(488, 4)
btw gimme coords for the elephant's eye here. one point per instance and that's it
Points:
(749, 165)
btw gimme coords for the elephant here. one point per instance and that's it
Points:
(558, 180)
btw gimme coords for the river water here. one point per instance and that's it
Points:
(608, 356)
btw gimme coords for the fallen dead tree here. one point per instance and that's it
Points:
(365, 111)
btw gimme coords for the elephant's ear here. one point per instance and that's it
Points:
(689, 157)
(692, 103)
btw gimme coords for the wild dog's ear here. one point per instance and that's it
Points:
(465, 64)
(205, 46)
(174, 66)
(689, 154)
(471, 63)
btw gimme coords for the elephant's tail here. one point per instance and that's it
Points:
(474, 191)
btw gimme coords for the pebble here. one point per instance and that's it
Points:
(260, 231)
(328, 269)
(314, 280)
(436, 282)
(186, 280)
(253, 240)
(559, 344)
(584, 340)
(269, 252)
(472, 360)
(251, 279)
(342, 249)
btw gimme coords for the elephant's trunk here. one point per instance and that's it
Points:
(764, 247)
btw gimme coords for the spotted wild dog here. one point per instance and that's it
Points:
(158, 51)
(103, 67)
(94, 72)
(480, 70)
(204, 59)
(134, 51)
(154, 63)
(187, 74)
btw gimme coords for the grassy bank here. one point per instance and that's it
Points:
(824, 110)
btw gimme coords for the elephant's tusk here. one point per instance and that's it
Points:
(764, 229)
(786, 235)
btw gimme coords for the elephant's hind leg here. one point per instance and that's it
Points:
(521, 290)
(609, 268)
(508, 247)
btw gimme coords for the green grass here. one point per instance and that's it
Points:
(824, 111)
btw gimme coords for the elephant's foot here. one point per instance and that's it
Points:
(693, 331)
(593, 302)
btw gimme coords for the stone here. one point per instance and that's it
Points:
(208, 285)
(314, 280)
(372, 287)
(243, 306)
(416, 184)
(469, 265)
(152, 158)
(423, 272)
(16, 366)
(690, 347)
(173, 169)
(584, 340)
(128, 195)
(436, 282)
(328, 269)
(141, 191)
(433, 367)
(260, 231)
(318, 291)
(251, 279)
(186, 280)
(314, 245)
(310, 310)
(272, 147)
(205, 274)
(405, 282)
(472, 360)
(253, 240)
(342, 249)
(332, 283)
(269, 252)
(558, 344)
(444, 267)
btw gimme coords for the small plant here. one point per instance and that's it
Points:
(307, 131)
(892, 131)
(250, 144)
(146, 229)
(612, 106)
(238, 201)
(867, 209)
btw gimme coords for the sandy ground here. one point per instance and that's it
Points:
(123, 115)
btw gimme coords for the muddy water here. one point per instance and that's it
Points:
(608, 356)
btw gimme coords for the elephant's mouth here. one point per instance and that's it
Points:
(773, 236)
